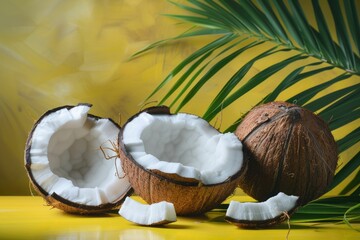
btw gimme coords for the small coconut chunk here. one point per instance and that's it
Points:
(253, 214)
(143, 214)
(185, 145)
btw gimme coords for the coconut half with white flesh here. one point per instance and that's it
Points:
(179, 158)
(66, 166)
(149, 215)
(262, 214)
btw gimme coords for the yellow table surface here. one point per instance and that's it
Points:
(29, 218)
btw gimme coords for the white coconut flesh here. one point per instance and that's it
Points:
(262, 211)
(144, 214)
(66, 158)
(183, 144)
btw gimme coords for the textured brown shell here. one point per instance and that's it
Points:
(261, 224)
(55, 200)
(189, 196)
(289, 149)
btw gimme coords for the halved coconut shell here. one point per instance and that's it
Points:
(289, 149)
(156, 172)
(66, 166)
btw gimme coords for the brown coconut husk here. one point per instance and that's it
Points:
(288, 149)
(285, 216)
(189, 196)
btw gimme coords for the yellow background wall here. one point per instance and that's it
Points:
(57, 52)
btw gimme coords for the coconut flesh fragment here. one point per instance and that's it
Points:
(260, 214)
(64, 160)
(185, 145)
(143, 214)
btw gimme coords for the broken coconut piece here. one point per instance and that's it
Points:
(261, 214)
(155, 214)
(179, 158)
(66, 166)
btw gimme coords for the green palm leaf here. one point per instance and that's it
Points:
(252, 83)
(235, 79)
(314, 48)
(212, 71)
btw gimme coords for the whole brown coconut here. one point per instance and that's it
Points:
(289, 149)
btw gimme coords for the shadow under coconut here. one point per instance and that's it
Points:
(92, 215)
(284, 226)
(218, 216)
(173, 226)
(208, 217)
(300, 226)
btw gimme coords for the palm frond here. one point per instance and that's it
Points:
(210, 47)
(349, 140)
(353, 185)
(235, 19)
(313, 48)
(338, 209)
(252, 83)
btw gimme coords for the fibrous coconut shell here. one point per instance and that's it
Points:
(189, 196)
(261, 224)
(289, 149)
(55, 200)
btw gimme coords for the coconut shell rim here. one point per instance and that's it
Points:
(165, 110)
(89, 115)
(251, 224)
(88, 209)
